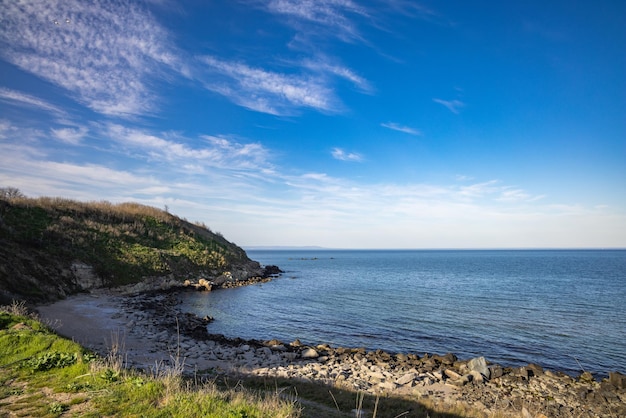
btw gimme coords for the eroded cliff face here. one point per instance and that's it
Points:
(51, 248)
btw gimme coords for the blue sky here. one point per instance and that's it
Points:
(338, 123)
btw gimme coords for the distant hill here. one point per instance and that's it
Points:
(52, 247)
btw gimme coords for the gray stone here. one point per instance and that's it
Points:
(309, 353)
(495, 371)
(265, 351)
(452, 374)
(406, 379)
(617, 379)
(479, 364)
(477, 377)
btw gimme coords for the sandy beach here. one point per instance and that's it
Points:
(98, 321)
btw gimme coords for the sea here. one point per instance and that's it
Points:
(564, 310)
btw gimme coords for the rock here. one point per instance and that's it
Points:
(452, 374)
(406, 379)
(586, 377)
(265, 351)
(377, 376)
(290, 356)
(269, 271)
(520, 372)
(477, 377)
(479, 364)
(309, 353)
(617, 379)
(401, 358)
(534, 370)
(495, 371)
(387, 386)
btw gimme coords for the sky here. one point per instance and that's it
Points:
(333, 123)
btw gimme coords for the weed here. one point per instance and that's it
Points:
(110, 375)
(50, 360)
(57, 408)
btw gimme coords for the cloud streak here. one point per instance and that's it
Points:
(18, 98)
(215, 152)
(104, 53)
(266, 91)
(342, 155)
(72, 136)
(401, 128)
(453, 106)
(335, 16)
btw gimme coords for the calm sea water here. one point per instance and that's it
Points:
(565, 310)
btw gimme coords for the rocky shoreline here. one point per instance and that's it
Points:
(159, 335)
(155, 318)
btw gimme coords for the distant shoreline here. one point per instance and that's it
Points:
(316, 248)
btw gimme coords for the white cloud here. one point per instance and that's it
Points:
(401, 128)
(266, 91)
(509, 194)
(23, 99)
(214, 152)
(325, 66)
(103, 52)
(340, 154)
(453, 106)
(70, 135)
(332, 15)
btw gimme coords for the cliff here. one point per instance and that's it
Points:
(53, 247)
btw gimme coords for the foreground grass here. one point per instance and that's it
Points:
(44, 375)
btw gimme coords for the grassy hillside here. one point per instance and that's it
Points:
(47, 245)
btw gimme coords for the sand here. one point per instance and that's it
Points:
(97, 321)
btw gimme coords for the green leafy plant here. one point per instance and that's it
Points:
(57, 408)
(50, 360)
(110, 375)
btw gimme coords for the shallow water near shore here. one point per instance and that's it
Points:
(562, 309)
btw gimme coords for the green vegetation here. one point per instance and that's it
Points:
(44, 375)
(41, 238)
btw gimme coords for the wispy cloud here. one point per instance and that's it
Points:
(510, 194)
(453, 106)
(401, 128)
(342, 155)
(71, 136)
(22, 99)
(266, 91)
(213, 152)
(334, 16)
(104, 53)
(323, 65)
